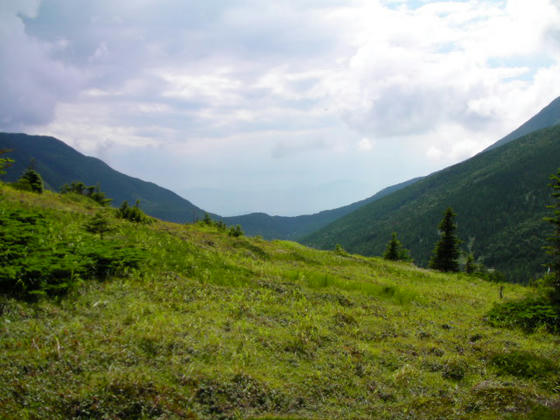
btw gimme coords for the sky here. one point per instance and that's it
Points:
(285, 107)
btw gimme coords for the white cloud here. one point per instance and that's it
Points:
(365, 144)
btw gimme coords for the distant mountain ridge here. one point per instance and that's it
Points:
(294, 228)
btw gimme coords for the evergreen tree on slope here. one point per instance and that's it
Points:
(395, 251)
(446, 253)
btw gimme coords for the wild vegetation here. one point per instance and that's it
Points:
(92, 191)
(446, 254)
(395, 251)
(207, 325)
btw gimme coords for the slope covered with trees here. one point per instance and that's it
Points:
(499, 197)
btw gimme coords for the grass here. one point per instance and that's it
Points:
(213, 326)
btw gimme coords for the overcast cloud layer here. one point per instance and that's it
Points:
(285, 107)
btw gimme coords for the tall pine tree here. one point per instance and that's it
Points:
(446, 253)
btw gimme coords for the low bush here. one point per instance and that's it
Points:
(133, 214)
(93, 192)
(98, 224)
(30, 181)
(527, 314)
(521, 364)
(32, 262)
(235, 231)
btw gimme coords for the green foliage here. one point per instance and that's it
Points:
(235, 231)
(470, 265)
(132, 214)
(455, 369)
(93, 192)
(528, 314)
(522, 364)
(221, 226)
(489, 274)
(446, 253)
(30, 181)
(553, 250)
(395, 251)
(5, 162)
(339, 250)
(32, 261)
(98, 224)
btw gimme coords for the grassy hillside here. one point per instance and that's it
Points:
(499, 196)
(213, 326)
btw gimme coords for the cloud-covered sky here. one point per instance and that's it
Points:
(287, 107)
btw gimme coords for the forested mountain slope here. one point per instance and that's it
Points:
(499, 195)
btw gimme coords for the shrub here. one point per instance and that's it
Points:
(30, 181)
(235, 231)
(93, 192)
(32, 263)
(339, 250)
(394, 250)
(98, 224)
(454, 369)
(527, 314)
(221, 226)
(521, 364)
(132, 214)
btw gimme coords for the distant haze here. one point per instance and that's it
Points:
(284, 107)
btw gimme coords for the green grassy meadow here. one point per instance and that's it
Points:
(212, 326)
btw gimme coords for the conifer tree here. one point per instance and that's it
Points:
(395, 251)
(470, 264)
(446, 252)
(98, 224)
(554, 239)
(32, 181)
